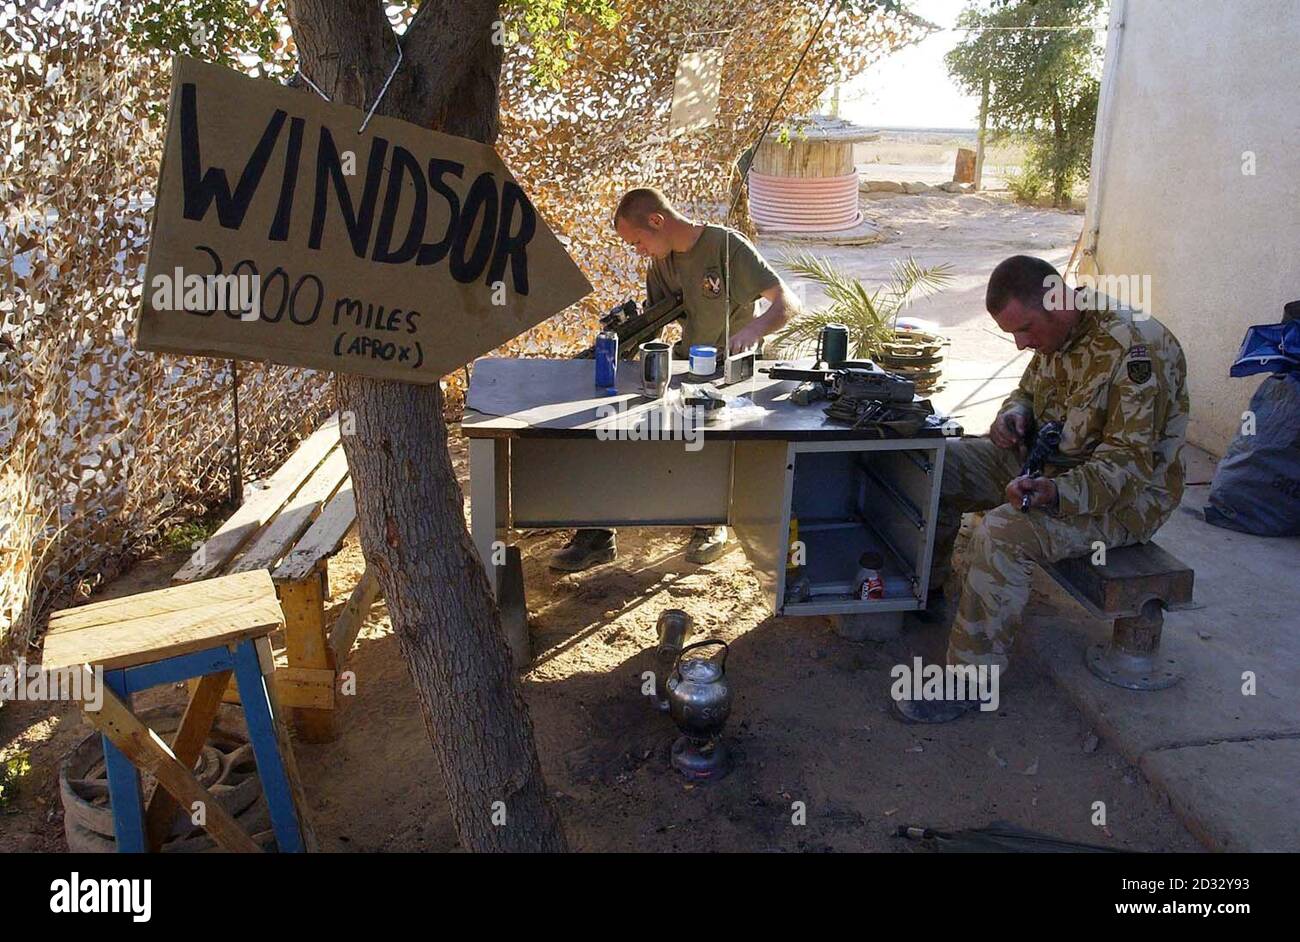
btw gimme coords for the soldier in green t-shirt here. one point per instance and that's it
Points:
(721, 276)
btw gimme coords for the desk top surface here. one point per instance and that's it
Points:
(543, 398)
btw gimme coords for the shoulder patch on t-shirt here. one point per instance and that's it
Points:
(711, 283)
(1138, 363)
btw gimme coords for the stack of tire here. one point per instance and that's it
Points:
(918, 355)
(226, 768)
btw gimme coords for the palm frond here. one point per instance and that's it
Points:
(868, 315)
(909, 280)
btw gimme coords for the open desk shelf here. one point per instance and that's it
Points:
(848, 497)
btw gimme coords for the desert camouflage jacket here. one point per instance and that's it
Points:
(1120, 386)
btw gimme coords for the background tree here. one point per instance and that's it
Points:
(1042, 60)
(409, 504)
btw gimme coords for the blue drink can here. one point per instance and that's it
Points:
(607, 360)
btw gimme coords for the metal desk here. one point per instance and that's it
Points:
(547, 450)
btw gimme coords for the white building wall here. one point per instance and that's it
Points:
(1196, 88)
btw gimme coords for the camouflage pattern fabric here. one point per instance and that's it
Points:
(1119, 385)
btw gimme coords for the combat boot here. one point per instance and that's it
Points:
(932, 711)
(707, 544)
(589, 547)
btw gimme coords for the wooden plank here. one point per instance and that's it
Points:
(348, 625)
(324, 538)
(158, 602)
(196, 724)
(299, 694)
(149, 753)
(303, 604)
(296, 515)
(306, 692)
(307, 687)
(262, 507)
(153, 637)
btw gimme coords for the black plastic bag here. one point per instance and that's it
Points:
(1256, 488)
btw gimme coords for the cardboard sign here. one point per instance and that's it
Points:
(282, 234)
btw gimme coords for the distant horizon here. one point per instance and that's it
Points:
(917, 127)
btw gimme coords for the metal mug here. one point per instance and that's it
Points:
(833, 345)
(674, 630)
(656, 367)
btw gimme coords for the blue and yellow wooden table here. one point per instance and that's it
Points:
(211, 630)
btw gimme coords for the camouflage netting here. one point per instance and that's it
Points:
(104, 447)
(605, 129)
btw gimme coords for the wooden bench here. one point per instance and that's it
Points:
(291, 528)
(1133, 589)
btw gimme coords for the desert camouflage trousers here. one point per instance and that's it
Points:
(1003, 548)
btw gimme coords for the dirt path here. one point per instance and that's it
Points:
(810, 724)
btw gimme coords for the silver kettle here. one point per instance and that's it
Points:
(699, 702)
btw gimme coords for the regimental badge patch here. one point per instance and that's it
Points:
(1139, 364)
(711, 283)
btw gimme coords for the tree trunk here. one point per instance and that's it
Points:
(1060, 166)
(409, 505)
(979, 145)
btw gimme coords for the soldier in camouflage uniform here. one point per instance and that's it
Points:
(1118, 382)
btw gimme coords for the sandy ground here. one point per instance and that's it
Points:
(810, 721)
(971, 234)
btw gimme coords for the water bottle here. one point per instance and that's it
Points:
(607, 361)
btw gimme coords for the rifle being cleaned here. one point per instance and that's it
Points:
(634, 327)
(861, 395)
(1042, 452)
(860, 379)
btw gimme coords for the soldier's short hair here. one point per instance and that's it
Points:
(636, 205)
(1023, 277)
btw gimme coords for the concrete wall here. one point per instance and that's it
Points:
(1195, 85)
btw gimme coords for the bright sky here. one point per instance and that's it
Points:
(911, 87)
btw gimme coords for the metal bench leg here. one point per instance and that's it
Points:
(266, 749)
(124, 783)
(1132, 657)
(482, 501)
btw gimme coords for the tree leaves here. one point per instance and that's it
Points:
(1042, 61)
